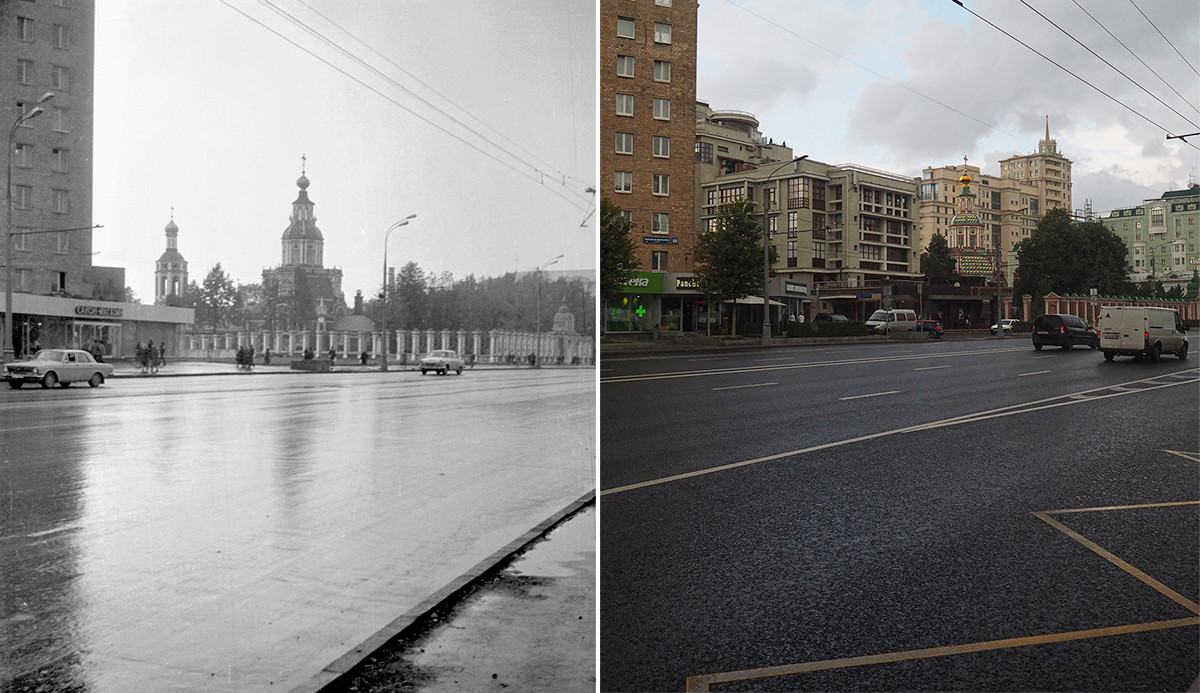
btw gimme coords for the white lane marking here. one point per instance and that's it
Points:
(931, 368)
(1022, 375)
(64, 528)
(739, 387)
(778, 358)
(873, 394)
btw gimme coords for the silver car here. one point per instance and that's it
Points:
(51, 367)
(442, 361)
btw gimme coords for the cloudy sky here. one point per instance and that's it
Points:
(207, 107)
(878, 84)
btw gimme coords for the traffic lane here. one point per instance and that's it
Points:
(889, 545)
(172, 518)
(717, 418)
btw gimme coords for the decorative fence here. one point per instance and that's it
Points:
(1189, 309)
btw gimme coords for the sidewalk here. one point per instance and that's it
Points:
(127, 368)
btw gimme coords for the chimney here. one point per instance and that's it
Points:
(358, 302)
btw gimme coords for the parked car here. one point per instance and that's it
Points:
(1007, 323)
(51, 367)
(442, 361)
(1063, 330)
(830, 317)
(1139, 331)
(933, 327)
(894, 320)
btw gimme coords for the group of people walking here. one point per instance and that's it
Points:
(150, 357)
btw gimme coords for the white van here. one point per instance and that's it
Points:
(1137, 331)
(894, 320)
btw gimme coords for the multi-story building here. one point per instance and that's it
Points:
(59, 298)
(647, 93)
(1160, 235)
(1046, 170)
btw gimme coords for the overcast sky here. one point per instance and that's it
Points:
(203, 109)
(776, 59)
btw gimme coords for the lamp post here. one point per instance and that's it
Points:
(999, 243)
(8, 234)
(383, 366)
(537, 347)
(766, 326)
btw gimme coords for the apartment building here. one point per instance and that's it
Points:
(1160, 235)
(647, 95)
(1046, 170)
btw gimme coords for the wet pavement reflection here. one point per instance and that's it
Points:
(242, 533)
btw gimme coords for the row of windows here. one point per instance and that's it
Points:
(23, 240)
(626, 65)
(662, 107)
(1137, 226)
(60, 76)
(660, 183)
(23, 157)
(626, 29)
(23, 199)
(26, 31)
(660, 145)
(60, 118)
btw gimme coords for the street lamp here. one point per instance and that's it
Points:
(999, 243)
(766, 326)
(383, 366)
(537, 348)
(8, 234)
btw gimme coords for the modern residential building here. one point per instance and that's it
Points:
(1045, 169)
(647, 92)
(1161, 235)
(59, 298)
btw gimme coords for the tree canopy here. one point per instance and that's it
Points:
(729, 259)
(618, 258)
(216, 299)
(1066, 257)
(936, 261)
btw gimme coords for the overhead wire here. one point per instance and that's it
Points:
(1064, 69)
(537, 175)
(1136, 56)
(1103, 60)
(1160, 33)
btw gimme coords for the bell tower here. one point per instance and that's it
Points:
(170, 272)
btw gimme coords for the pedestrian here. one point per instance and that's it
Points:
(96, 351)
(162, 354)
(363, 357)
(267, 356)
(332, 355)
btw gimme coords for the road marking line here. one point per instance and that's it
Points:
(778, 358)
(873, 394)
(739, 387)
(1193, 456)
(56, 530)
(1022, 375)
(701, 683)
(931, 368)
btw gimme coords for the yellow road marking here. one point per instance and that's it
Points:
(697, 684)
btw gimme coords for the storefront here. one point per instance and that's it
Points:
(55, 321)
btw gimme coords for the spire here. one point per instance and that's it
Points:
(1047, 127)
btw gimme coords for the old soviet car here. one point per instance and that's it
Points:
(442, 361)
(50, 367)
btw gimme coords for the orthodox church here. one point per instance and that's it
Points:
(972, 249)
(170, 272)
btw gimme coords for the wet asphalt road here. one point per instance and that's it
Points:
(240, 533)
(779, 513)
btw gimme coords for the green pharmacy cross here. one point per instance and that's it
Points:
(641, 311)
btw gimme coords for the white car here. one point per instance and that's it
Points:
(1007, 323)
(442, 361)
(51, 367)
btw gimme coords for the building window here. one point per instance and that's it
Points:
(25, 71)
(23, 155)
(625, 27)
(62, 36)
(798, 193)
(662, 147)
(24, 280)
(62, 120)
(60, 78)
(22, 239)
(624, 104)
(61, 202)
(662, 32)
(624, 65)
(704, 152)
(62, 243)
(793, 222)
(62, 160)
(1157, 217)
(791, 253)
(661, 184)
(25, 29)
(658, 260)
(660, 222)
(22, 196)
(662, 71)
(663, 3)
(624, 143)
(662, 109)
(623, 181)
(60, 281)
(63, 3)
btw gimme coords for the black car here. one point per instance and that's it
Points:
(830, 317)
(933, 327)
(1063, 330)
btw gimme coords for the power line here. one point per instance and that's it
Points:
(1160, 33)
(1135, 55)
(1052, 62)
(1114, 67)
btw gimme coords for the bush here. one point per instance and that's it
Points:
(850, 328)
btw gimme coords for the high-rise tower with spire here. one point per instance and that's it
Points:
(1045, 169)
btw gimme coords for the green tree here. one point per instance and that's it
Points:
(936, 261)
(618, 253)
(216, 299)
(1065, 257)
(729, 259)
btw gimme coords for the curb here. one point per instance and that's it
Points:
(342, 665)
(271, 370)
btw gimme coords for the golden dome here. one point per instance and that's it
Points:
(966, 178)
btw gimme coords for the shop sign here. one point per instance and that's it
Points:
(797, 288)
(98, 311)
(643, 282)
(688, 283)
(659, 240)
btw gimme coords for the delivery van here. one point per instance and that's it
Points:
(1138, 331)
(895, 320)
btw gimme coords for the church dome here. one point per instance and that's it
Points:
(966, 218)
(171, 228)
(302, 182)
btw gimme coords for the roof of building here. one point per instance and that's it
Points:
(171, 255)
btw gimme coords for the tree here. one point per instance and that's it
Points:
(618, 254)
(1065, 257)
(936, 261)
(216, 299)
(131, 297)
(729, 259)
